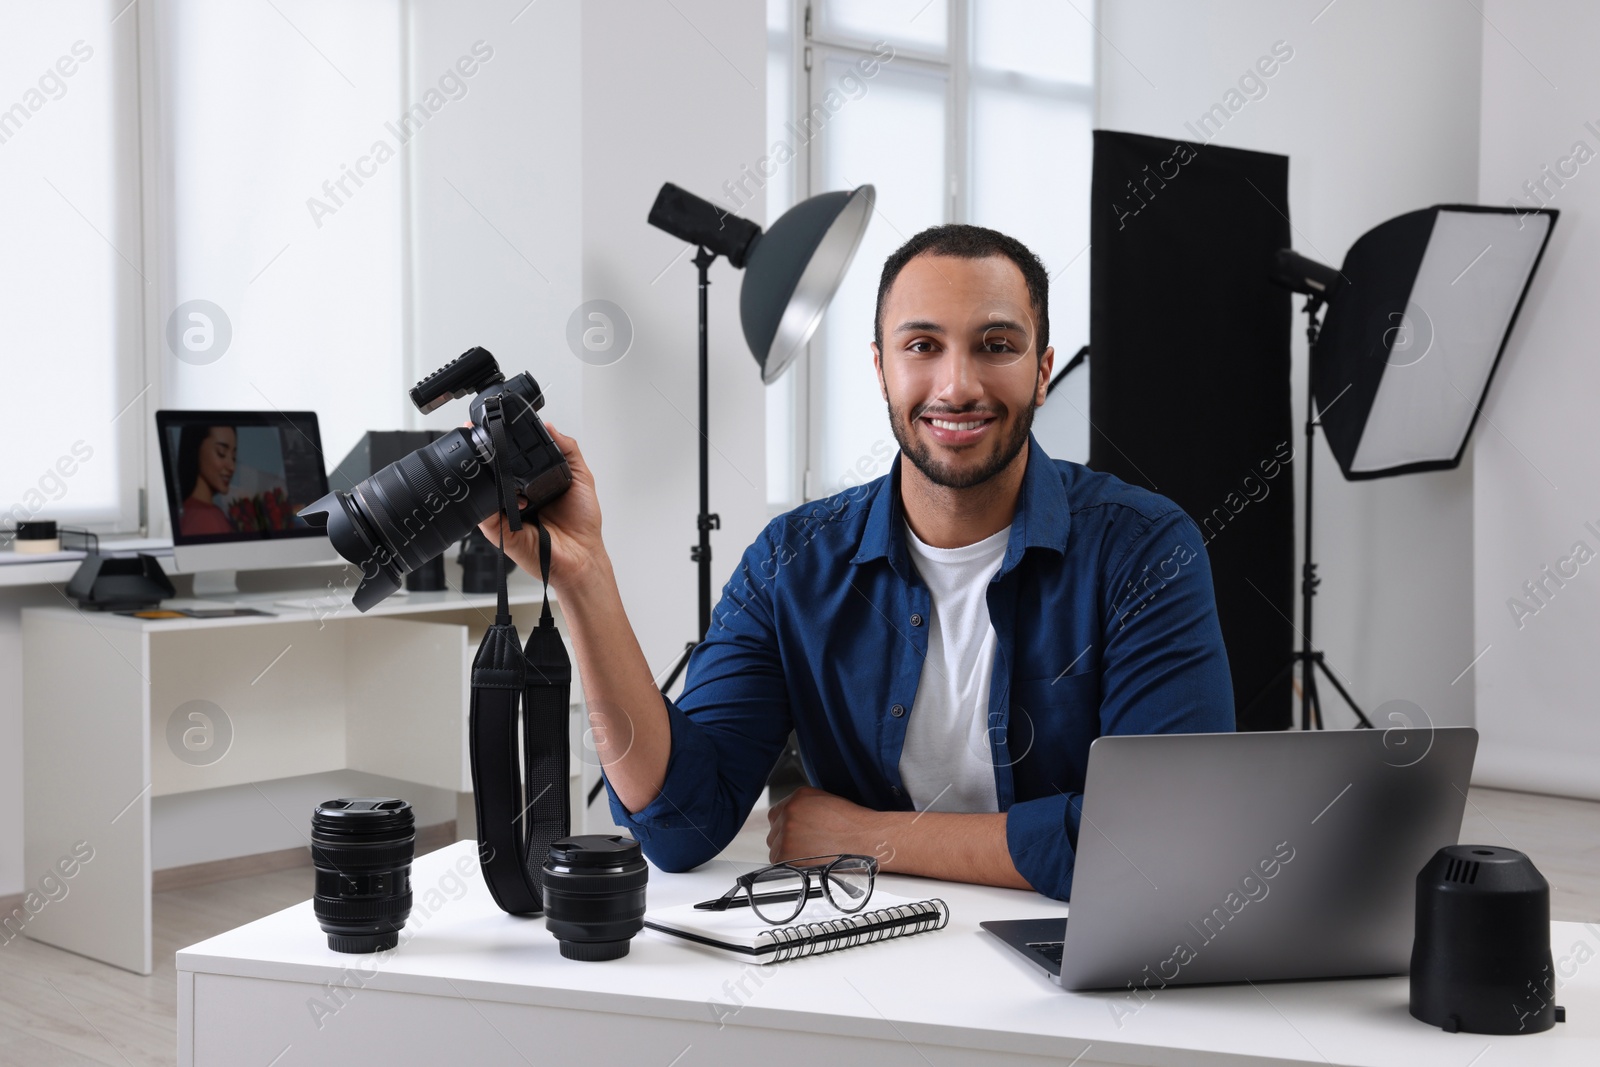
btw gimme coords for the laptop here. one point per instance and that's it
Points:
(1254, 856)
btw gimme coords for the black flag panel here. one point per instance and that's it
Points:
(1189, 390)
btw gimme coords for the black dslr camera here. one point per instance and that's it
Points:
(417, 507)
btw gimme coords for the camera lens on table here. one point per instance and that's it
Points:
(594, 895)
(362, 849)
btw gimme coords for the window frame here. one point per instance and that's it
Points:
(812, 42)
(809, 391)
(159, 213)
(126, 251)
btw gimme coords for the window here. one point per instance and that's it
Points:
(974, 111)
(784, 433)
(246, 253)
(73, 273)
(285, 169)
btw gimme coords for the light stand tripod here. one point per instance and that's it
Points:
(1310, 659)
(791, 271)
(707, 519)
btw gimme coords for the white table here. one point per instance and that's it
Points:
(475, 986)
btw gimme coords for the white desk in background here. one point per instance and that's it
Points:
(57, 568)
(476, 986)
(300, 691)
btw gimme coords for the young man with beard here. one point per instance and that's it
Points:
(945, 641)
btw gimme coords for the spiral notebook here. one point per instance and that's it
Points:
(820, 928)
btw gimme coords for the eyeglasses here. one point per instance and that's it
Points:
(777, 894)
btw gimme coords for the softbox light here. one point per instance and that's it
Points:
(1416, 323)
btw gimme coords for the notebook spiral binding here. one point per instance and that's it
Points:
(811, 939)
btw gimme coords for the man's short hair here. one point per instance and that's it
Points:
(971, 242)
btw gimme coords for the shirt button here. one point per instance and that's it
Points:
(916, 620)
(894, 789)
(898, 710)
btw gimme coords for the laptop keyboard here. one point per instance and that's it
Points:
(1050, 950)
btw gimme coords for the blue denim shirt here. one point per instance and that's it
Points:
(1105, 623)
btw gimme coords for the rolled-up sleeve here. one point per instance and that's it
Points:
(1042, 836)
(1164, 669)
(728, 727)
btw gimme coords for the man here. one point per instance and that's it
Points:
(945, 641)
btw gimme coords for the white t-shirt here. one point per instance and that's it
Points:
(946, 763)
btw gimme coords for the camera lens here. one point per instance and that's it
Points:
(594, 895)
(412, 510)
(362, 849)
(408, 512)
(425, 502)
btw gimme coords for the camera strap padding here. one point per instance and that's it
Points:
(522, 805)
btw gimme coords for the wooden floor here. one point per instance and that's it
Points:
(1561, 836)
(59, 1008)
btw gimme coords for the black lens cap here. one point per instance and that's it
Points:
(595, 850)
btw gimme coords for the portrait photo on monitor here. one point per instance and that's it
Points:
(240, 475)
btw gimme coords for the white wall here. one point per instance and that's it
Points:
(1378, 113)
(1537, 476)
(494, 196)
(671, 92)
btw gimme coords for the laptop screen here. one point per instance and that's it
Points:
(234, 476)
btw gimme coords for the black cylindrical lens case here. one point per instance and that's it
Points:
(428, 577)
(362, 849)
(1481, 959)
(594, 895)
(480, 560)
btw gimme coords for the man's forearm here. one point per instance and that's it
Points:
(627, 717)
(948, 845)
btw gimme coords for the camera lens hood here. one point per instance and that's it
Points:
(352, 539)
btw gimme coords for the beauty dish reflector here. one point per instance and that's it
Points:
(793, 271)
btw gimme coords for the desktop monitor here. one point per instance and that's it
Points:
(235, 483)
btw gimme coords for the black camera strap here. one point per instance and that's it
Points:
(522, 803)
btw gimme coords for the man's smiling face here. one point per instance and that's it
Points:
(958, 367)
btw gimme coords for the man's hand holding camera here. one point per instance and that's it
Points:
(577, 553)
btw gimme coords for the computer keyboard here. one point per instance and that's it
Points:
(1050, 950)
(332, 600)
(327, 602)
